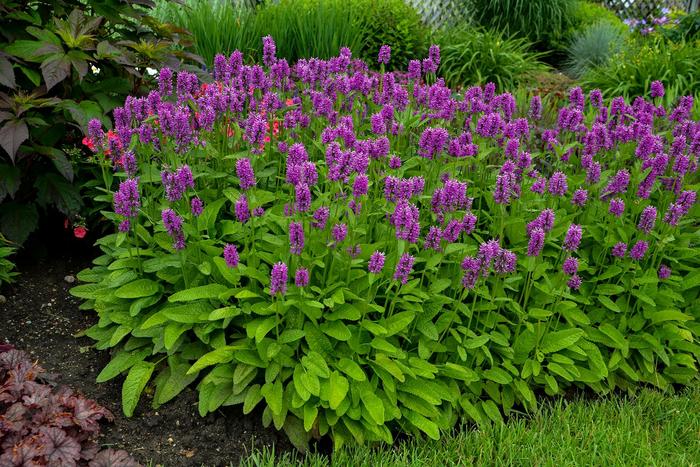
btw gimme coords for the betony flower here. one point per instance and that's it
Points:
(301, 277)
(296, 237)
(384, 54)
(242, 210)
(557, 184)
(575, 282)
(638, 250)
(320, 217)
(570, 266)
(231, 255)
(664, 272)
(536, 243)
(278, 279)
(617, 207)
(244, 171)
(404, 268)
(196, 207)
(573, 237)
(376, 262)
(619, 250)
(339, 232)
(647, 219)
(580, 197)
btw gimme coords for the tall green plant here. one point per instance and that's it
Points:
(540, 21)
(474, 57)
(7, 273)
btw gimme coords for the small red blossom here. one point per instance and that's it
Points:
(289, 102)
(89, 143)
(79, 231)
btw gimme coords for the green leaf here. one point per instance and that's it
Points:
(351, 368)
(615, 335)
(497, 375)
(609, 303)
(172, 332)
(609, 289)
(138, 288)
(558, 340)
(252, 398)
(310, 414)
(398, 322)
(425, 425)
(209, 291)
(121, 362)
(669, 315)
(18, 220)
(273, 396)
(337, 389)
(134, 384)
(315, 363)
(177, 379)
(374, 406)
(207, 220)
(336, 329)
(221, 355)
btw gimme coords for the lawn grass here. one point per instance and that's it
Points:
(648, 429)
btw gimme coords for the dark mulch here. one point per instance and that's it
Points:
(41, 317)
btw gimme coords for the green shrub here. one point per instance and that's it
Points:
(309, 28)
(584, 15)
(474, 57)
(390, 22)
(631, 71)
(303, 28)
(61, 64)
(540, 21)
(593, 47)
(233, 29)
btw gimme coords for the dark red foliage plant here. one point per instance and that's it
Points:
(44, 425)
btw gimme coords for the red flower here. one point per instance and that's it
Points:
(289, 102)
(79, 231)
(89, 143)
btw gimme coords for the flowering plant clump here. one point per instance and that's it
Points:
(371, 253)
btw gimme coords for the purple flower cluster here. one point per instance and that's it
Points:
(173, 225)
(244, 171)
(176, 183)
(404, 268)
(127, 202)
(278, 279)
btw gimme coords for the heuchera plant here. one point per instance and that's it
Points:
(41, 425)
(372, 253)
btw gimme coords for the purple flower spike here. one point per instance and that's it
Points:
(296, 237)
(321, 217)
(376, 262)
(580, 197)
(339, 232)
(570, 266)
(573, 237)
(619, 250)
(231, 255)
(657, 89)
(647, 219)
(278, 280)
(617, 207)
(127, 200)
(557, 184)
(404, 268)
(245, 173)
(301, 277)
(196, 206)
(575, 282)
(664, 272)
(384, 54)
(536, 243)
(639, 250)
(242, 209)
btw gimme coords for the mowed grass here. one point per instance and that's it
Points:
(648, 429)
